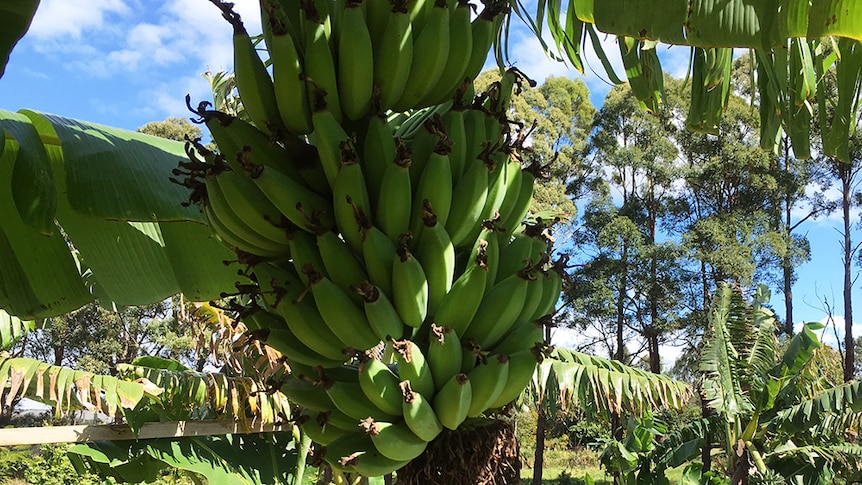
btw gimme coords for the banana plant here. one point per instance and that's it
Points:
(774, 411)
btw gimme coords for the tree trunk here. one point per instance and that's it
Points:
(846, 174)
(539, 455)
(787, 268)
(621, 301)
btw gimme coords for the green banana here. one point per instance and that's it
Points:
(460, 50)
(288, 344)
(340, 264)
(350, 400)
(459, 306)
(500, 307)
(379, 254)
(350, 197)
(552, 286)
(316, 425)
(252, 79)
(426, 139)
(286, 294)
(468, 201)
(523, 197)
(346, 320)
(233, 230)
(409, 285)
(444, 354)
(496, 193)
(453, 120)
(435, 187)
(259, 213)
(432, 42)
(488, 381)
(380, 312)
(437, 254)
(298, 203)
(291, 94)
(419, 416)
(394, 202)
(320, 69)
(305, 393)
(393, 55)
(523, 251)
(381, 386)
(452, 401)
(413, 367)
(514, 175)
(355, 56)
(394, 440)
(524, 335)
(356, 453)
(522, 366)
(484, 28)
(475, 138)
(378, 152)
(329, 136)
(303, 251)
(376, 16)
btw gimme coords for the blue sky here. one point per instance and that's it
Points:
(127, 62)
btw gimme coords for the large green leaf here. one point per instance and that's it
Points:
(719, 359)
(15, 18)
(13, 328)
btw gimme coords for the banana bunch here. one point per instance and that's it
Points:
(381, 210)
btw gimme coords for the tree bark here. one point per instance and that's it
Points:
(539, 455)
(621, 301)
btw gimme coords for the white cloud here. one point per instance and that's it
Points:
(61, 18)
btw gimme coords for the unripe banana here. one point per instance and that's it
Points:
(252, 79)
(452, 402)
(492, 236)
(460, 50)
(288, 344)
(444, 354)
(523, 335)
(350, 400)
(454, 122)
(523, 198)
(419, 416)
(435, 187)
(304, 393)
(498, 310)
(346, 320)
(291, 94)
(460, 304)
(437, 255)
(231, 227)
(350, 197)
(476, 139)
(329, 137)
(355, 57)
(496, 194)
(304, 251)
(432, 42)
(514, 174)
(376, 15)
(395, 201)
(259, 213)
(291, 197)
(381, 386)
(320, 72)
(409, 285)
(378, 152)
(379, 254)
(286, 294)
(429, 136)
(394, 440)
(523, 251)
(380, 312)
(522, 366)
(485, 28)
(488, 381)
(413, 367)
(356, 453)
(468, 201)
(552, 286)
(340, 263)
(394, 55)
(316, 425)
